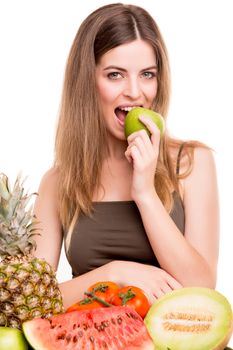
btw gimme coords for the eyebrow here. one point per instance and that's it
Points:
(124, 70)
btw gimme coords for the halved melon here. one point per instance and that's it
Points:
(190, 318)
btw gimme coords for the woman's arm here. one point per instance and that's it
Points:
(192, 258)
(49, 241)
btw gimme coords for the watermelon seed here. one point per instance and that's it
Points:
(61, 336)
(75, 339)
(92, 339)
(106, 323)
(119, 320)
(135, 317)
(113, 321)
(85, 326)
(68, 338)
(97, 327)
(80, 333)
(74, 325)
(104, 344)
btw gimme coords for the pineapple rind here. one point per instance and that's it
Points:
(28, 285)
(21, 298)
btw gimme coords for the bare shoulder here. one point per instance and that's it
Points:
(46, 205)
(203, 169)
(48, 189)
(196, 164)
(190, 156)
(203, 159)
(49, 180)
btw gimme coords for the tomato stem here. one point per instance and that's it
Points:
(94, 297)
(100, 288)
(125, 297)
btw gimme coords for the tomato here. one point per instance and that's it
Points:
(85, 304)
(104, 290)
(133, 297)
(100, 291)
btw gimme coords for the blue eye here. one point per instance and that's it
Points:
(148, 75)
(114, 75)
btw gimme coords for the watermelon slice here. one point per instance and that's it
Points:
(111, 328)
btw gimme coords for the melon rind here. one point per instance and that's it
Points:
(214, 309)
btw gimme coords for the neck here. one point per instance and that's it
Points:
(116, 149)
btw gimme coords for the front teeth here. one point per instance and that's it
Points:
(127, 109)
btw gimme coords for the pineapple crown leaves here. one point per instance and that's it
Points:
(17, 224)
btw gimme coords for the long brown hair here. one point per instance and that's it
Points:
(81, 136)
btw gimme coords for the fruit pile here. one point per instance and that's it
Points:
(188, 318)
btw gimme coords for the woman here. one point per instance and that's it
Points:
(141, 211)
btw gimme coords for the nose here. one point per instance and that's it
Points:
(132, 88)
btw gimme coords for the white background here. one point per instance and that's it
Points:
(35, 38)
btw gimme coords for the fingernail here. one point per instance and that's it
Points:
(141, 117)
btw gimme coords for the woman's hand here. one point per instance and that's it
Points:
(154, 281)
(142, 152)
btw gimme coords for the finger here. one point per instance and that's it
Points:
(128, 156)
(139, 143)
(135, 134)
(166, 288)
(151, 126)
(135, 154)
(132, 153)
(150, 297)
(158, 293)
(146, 140)
(173, 283)
(154, 130)
(142, 139)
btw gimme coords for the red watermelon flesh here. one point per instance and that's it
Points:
(111, 328)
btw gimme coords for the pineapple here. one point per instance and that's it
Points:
(28, 285)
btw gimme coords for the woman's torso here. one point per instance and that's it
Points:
(114, 232)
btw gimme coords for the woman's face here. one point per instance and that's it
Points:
(126, 77)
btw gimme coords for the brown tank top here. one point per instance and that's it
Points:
(115, 232)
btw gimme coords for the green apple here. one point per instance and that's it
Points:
(132, 123)
(12, 339)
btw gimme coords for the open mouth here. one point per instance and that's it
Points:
(121, 113)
